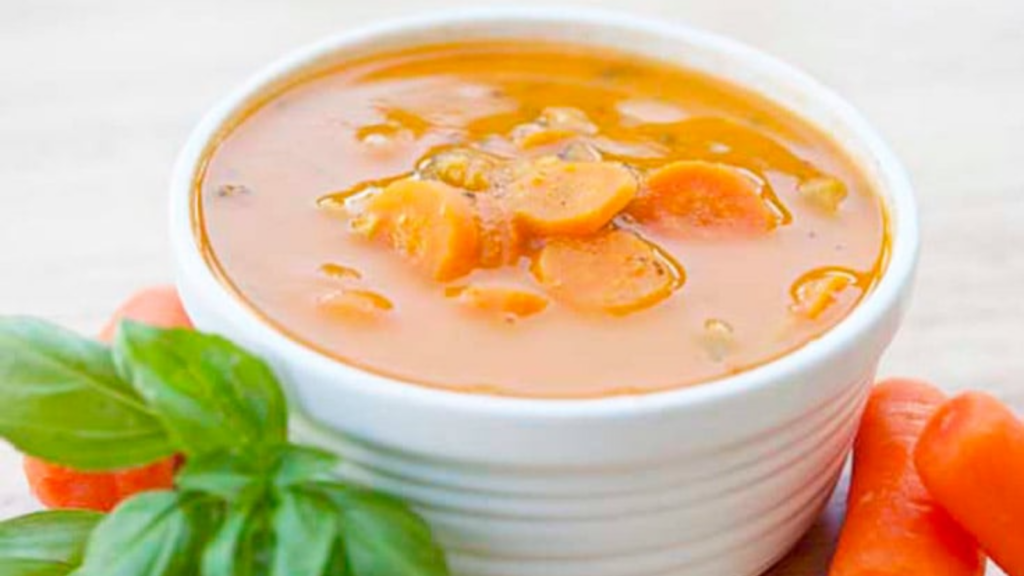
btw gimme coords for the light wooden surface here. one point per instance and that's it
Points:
(96, 97)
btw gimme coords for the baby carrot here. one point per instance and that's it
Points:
(62, 487)
(893, 526)
(971, 458)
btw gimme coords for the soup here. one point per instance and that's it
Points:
(537, 220)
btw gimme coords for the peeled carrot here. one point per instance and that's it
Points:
(616, 272)
(553, 197)
(893, 525)
(698, 199)
(62, 487)
(971, 458)
(430, 223)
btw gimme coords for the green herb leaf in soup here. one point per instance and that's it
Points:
(211, 394)
(62, 400)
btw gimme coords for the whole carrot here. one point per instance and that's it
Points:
(971, 458)
(62, 487)
(893, 526)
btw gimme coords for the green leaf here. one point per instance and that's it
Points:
(210, 394)
(241, 547)
(306, 533)
(62, 400)
(57, 536)
(225, 474)
(382, 536)
(23, 567)
(155, 533)
(300, 464)
(230, 474)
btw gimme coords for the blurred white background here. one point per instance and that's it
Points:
(97, 96)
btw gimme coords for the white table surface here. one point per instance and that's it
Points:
(96, 97)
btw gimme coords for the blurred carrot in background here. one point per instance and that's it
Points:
(62, 487)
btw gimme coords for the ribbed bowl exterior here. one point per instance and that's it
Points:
(720, 479)
(728, 511)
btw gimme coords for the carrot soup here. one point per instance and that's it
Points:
(537, 220)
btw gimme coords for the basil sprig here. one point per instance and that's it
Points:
(247, 503)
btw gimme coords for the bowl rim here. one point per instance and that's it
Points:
(871, 311)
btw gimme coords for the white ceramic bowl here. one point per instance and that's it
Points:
(715, 480)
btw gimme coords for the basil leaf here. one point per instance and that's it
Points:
(300, 464)
(241, 545)
(62, 400)
(58, 536)
(226, 474)
(155, 533)
(23, 567)
(210, 394)
(306, 532)
(382, 536)
(230, 474)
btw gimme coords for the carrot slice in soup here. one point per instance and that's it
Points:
(430, 223)
(502, 300)
(553, 197)
(693, 198)
(356, 304)
(616, 272)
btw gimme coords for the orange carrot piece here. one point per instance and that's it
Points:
(502, 241)
(430, 223)
(893, 525)
(503, 301)
(697, 199)
(61, 487)
(356, 304)
(971, 458)
(58, 486)
(553, 197)
(615, 272)
(157, 306)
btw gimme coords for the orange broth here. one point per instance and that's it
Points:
(537, 220)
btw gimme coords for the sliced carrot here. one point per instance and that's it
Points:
(971, 458)
(614, 272)
(697, 199)
(356, 304)
(503, 301)
(893, 525)
(502, 241)
(553, 197)
(58, 486)
(430, 223)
